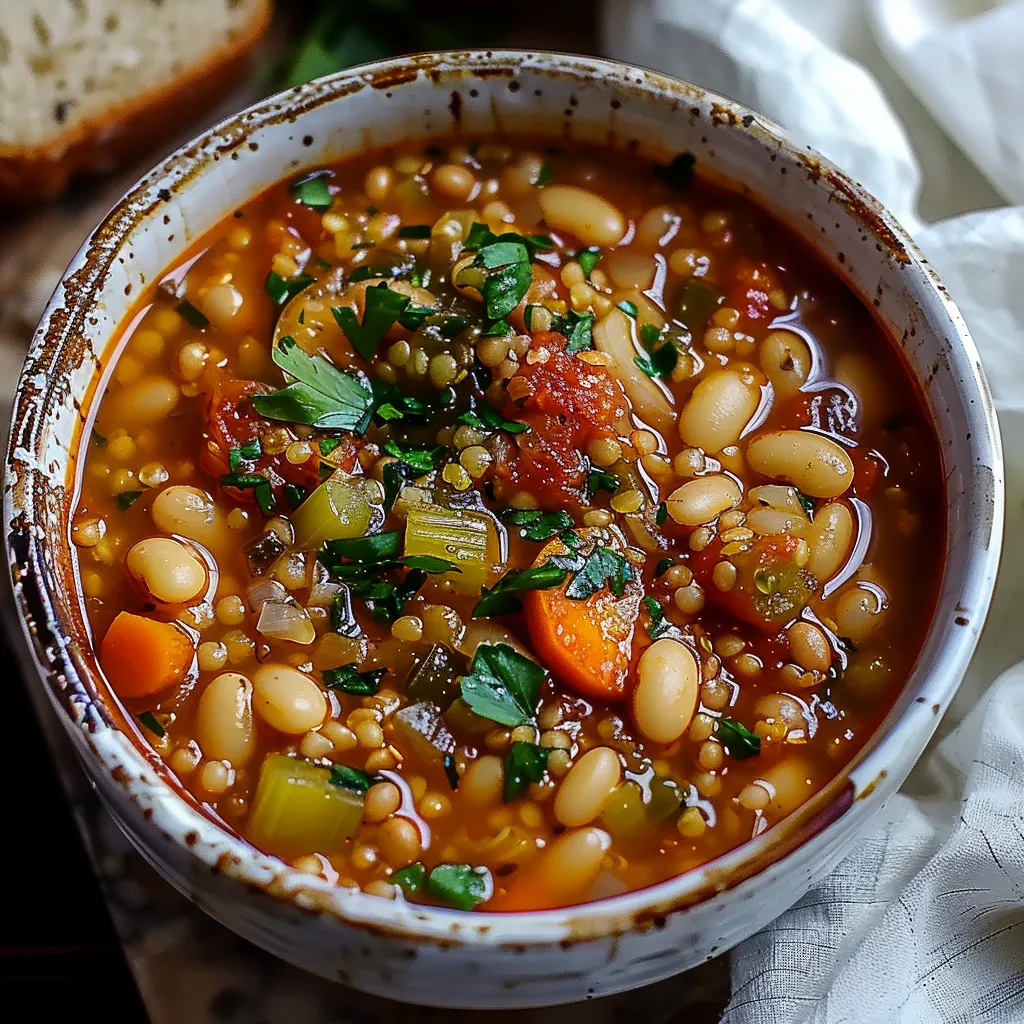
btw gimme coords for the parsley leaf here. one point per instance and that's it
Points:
(678, 172)
(601, 480)
(509, 276)
(627, 307)
(312, 191)
(460, 885)
(544, 176)
(661, 516)
(537, 525)
(350, 778)
(150, 721)
(577, 328)
(378, 547)
(448, 324)
(588, 259)
(395, 476)
(485, 417)
(282, 289)
(320, 394)
(479, 236)
(383, 308)
(603, 567)
(660, 626)
(126, 499)
(501, 600)
(524, 763)
(663, 566)
(391, 404)
(738, 740)
(423, 459)
(193, 316)
(502, 685)
(348, 679)
(243, 453)
(807, 503)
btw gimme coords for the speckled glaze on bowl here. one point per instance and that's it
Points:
(397, 949)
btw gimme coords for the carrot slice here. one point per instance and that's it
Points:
(142, 656)
(587, 644)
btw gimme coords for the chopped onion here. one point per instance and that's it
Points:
(321, 590)
(282, 620)
(265, 590)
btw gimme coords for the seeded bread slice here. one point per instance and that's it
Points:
(86, 83)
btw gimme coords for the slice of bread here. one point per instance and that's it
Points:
(86, 83)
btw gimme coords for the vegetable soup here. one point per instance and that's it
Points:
(503, 526)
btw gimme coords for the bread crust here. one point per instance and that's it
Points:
(101, 142)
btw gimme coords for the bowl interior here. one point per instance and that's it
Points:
(566, 99)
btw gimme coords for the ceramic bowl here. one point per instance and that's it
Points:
(402, 950)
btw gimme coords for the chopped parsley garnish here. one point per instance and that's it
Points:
(383, 307)
(484, 417)
(537, 525)
(601, 480)
(450, 771)
(391, 404)
(422, 458)
(807, 503)
(395, 476)
(502, 685)
(501, 600)
(378, 547)
(294, 495)
(260, 486)
(663, 352)
(577, 328)
(460, 885)
(497, 329)
(508, 276)
(660, 626)
(588, 259)
(480, 235)
(194, 317)
(320, 395)
(543, 176)
(150, 721)
(524, 763)
(738, 740)
(243, 453)
(411, 878)
(414, 231)
(661, 516)
(678, 172)
(349, 679)
(627, 307)
(328, 444)
(312, 191)
(447, 324)
(98, 439)
(663, 566)
(282, 289)
(371, 270)
(126, 499)
(350, 778)
(603, 567)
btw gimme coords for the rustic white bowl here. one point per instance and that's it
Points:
(398, 949)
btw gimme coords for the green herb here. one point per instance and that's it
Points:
(498, 329)
(395, 476)
(663, 566)
(320, 394)
(601, 480)
(460, 885)
(528, 316)
(98, 439)
(126, 499)
(661, 516)
(738, 740)
(577, 328)
(281, 290)
(450, 771)
(192, 316)
(369, 270)
(524, 763)
(150, 721)
(603, 567)
(509, 276)
(627, 307)
(588, 259)
(502, 685)
(243, 453)
(479, 236)
(430, 563)
(544, 176)
(350, 778)
(414, 231)
(572, 540)
(537, 525)
(678, 173)
(390, 404)
(501, 600)
(328, 444)
(660, 626)
(378, 547)
(383, 307)
(664, 352)
(485, 417)
(242, 480)
(294, 495)
(448, 324)
(348, 679)
(424, 459)
(312, 191)
(265, 500)
(806, 503)
(411, 878)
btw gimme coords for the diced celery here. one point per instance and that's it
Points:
(297, 810)
(666, 799)
(461, 536)
(420, 727)
(336, 510)
(435, 676)
(696, 302)
(624, 813)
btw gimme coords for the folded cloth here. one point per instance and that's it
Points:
(924, 920)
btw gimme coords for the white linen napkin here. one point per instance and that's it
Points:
(919, 99)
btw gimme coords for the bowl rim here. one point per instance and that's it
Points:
(101, 741)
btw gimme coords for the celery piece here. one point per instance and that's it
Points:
(666, 799)
(461, 536)
(421, 727)
(297, 810)
(624, 813)
(435, 676)
(336, 510)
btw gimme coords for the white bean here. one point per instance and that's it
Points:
(819, 467)
(224, 725)
(287, 700)
(718, 410)
(145, 402)
(786, 361)
(571, 864)
(167, 569)
(699, 501)
(588, 216)
(860, 608)
(665, 697)
(830, 537)
(191, 512)
(809, 647)
(588, 785)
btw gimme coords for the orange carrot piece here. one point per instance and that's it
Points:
(142, 656)
(586, 644)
